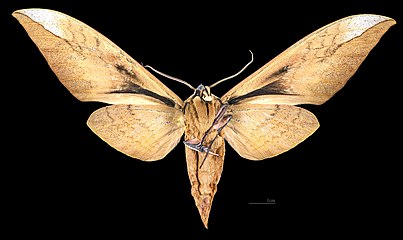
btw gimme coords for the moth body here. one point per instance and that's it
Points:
(204, 168)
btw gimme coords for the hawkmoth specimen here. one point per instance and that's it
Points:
(258, 117)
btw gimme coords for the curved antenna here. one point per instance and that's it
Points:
(234, 75)
(170, 77)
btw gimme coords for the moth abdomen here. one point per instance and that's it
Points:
(205, 150)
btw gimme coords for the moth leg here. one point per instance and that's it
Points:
(219, 126)
(222, 123)
(217, 120)
(198, 147)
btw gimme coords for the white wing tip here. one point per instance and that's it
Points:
(368, 20)
(49, 19)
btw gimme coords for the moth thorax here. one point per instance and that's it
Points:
(204, 93)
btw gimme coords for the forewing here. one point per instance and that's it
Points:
(147, 132)
(316, 67)
(89, 65)
(259, 131)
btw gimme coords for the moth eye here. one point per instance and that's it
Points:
(200, 88)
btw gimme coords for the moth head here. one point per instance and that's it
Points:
(204, 93)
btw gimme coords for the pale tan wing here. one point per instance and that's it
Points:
(88, 64)
(316, 67)
(147, 132)
(259, 131)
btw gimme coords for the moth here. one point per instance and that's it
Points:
(259, 117)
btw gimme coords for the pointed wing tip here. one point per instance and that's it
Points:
(17, 13)
(382, 18)
(27, 12)
(370, 20)
(45, 17)
(36, 14)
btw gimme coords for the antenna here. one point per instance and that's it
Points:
(234, 75)
(170, 77)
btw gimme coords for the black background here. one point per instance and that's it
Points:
(60, 179)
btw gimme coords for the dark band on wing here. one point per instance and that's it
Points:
(273, 88)
(270, 89)
(130, 87)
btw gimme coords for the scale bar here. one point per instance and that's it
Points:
(261, 203)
